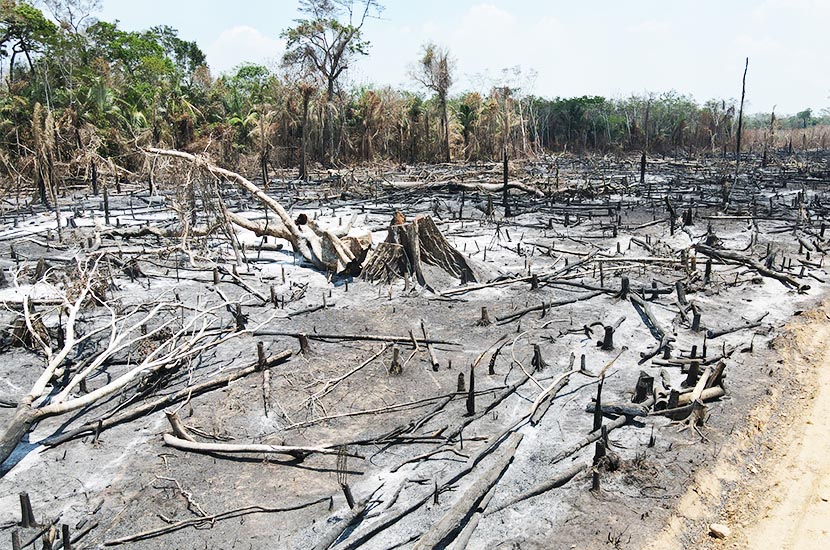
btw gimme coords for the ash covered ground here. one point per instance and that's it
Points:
(427, 444)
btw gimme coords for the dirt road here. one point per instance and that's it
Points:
(799, 484)
(771, 485)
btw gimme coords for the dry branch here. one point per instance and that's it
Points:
(356, 337)
(167, 400)
(258, 448)
(210, 520)
(322, 248)
(735, 258)
(194, 337)
(545, 306)
(453, 520)
(487, 187)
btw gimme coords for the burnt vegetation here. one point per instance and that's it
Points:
(287, 312)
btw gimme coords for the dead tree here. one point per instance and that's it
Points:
(167, 346)
(322, 248)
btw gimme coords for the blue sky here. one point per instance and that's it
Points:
(563, 48)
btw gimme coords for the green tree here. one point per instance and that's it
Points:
(805, 117)
(326, 41)
(23, 30)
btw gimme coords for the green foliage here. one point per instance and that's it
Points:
(322, 43)
(106, 89)
(23, 29)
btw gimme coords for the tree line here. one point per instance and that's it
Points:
(79, 91)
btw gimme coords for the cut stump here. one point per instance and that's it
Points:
(411, 245)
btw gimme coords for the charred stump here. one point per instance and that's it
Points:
(410, 245)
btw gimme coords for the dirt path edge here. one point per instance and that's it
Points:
(744, 486)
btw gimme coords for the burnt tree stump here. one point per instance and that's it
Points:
(410, 245)
(644, 388)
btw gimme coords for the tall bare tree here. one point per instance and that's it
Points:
(434, 72)
(326, 41)
(306, 92)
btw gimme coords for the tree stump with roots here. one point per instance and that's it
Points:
(411, 245)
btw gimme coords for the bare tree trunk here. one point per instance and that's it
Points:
(328, 127)
(446, 124)
(23, 420)
(738, 138)
(505, 198)
(304, 141)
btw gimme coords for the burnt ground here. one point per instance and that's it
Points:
(127, 481)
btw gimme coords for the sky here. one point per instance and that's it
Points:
(551, 48)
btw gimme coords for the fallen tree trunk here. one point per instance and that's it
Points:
(711, 333)
(553, 483)
(322, 249)
(629, 410)
(446, 483)
(734, 257)
(337, 528)
(568, 474)
(443, 532)
(685, 405)
(260, 229)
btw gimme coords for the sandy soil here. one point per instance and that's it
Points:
(798, 515)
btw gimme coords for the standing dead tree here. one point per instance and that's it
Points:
(306, 91)
(728, 198)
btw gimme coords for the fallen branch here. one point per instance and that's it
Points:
(568, 474)
(331, 384)
(323, 249)
(545, 306)
(733, 257)
(487, 187)
(453, 520)
(365, 337)
(210, 520)
(258, 448)
(160, 403)
(729, 330)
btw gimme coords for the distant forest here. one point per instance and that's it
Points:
(79, 91)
